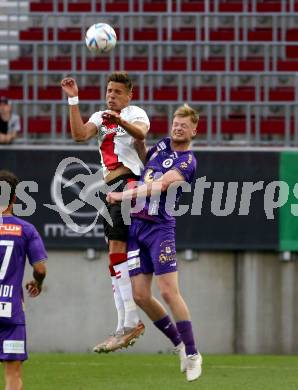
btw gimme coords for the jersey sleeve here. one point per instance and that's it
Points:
(139, 115)
(186, 165)
(150, 152)
(35, 247)
(96, 119)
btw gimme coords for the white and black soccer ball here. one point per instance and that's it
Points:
(100, 38)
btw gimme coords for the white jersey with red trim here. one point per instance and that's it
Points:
(115, 144)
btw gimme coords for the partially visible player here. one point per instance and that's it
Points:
(18, 240)
(151, 247)
(116, 128)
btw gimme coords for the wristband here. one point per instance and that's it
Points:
(72, 101)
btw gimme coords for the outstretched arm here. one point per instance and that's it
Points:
(155, 187)
(79, 130)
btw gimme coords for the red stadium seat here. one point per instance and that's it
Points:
(269, 6)
(158, 6)
(159, 125)
(115, 6)
(42, 125)
(208, 59)
(200, 94)
(152, 34)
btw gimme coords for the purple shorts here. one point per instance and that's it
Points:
(151, 248)
(13, 342)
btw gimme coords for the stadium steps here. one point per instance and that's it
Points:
(4, 80)
(9, 35)
(8, 7)
(10, 24)
(13, 21)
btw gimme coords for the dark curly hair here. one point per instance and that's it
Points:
(12, 180)
(121, 77)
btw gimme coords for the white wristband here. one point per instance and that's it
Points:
(72, 101)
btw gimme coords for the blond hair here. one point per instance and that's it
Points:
(186, 111)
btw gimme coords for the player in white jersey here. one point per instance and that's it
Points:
(116, 129)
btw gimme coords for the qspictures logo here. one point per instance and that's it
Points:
(86, 184)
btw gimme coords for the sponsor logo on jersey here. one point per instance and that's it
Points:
(167, 163)
(168, 249)
(167, 253)
(164, 258)
(134, 263)
(139, 119)
(11, 229)
(183, 165)
(13, 346)
(118, 130)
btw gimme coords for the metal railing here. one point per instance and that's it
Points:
(202, 23)
(155, 53)
(249, 122)
(286, 5)
(194, 53)
(185, 83)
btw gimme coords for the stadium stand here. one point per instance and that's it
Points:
(235, 61)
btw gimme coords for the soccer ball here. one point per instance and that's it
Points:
(100, 38)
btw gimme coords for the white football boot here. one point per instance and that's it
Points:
(180, 350)
(194, 367)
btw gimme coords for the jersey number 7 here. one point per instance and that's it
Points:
(7, 256)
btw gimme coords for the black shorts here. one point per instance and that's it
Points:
(119, 231)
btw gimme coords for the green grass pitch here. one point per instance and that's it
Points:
(157, 372)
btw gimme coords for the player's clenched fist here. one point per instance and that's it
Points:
(114, 197)
(70, 87)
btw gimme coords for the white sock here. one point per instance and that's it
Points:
(124, 285)
(119, 305)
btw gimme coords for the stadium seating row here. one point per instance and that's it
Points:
(153, 34)
(187, 38)
(162, 6)
(159, 125)
(204, 94)
(166, 64)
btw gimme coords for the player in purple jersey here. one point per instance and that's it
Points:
(151, 245)
(18, 240)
